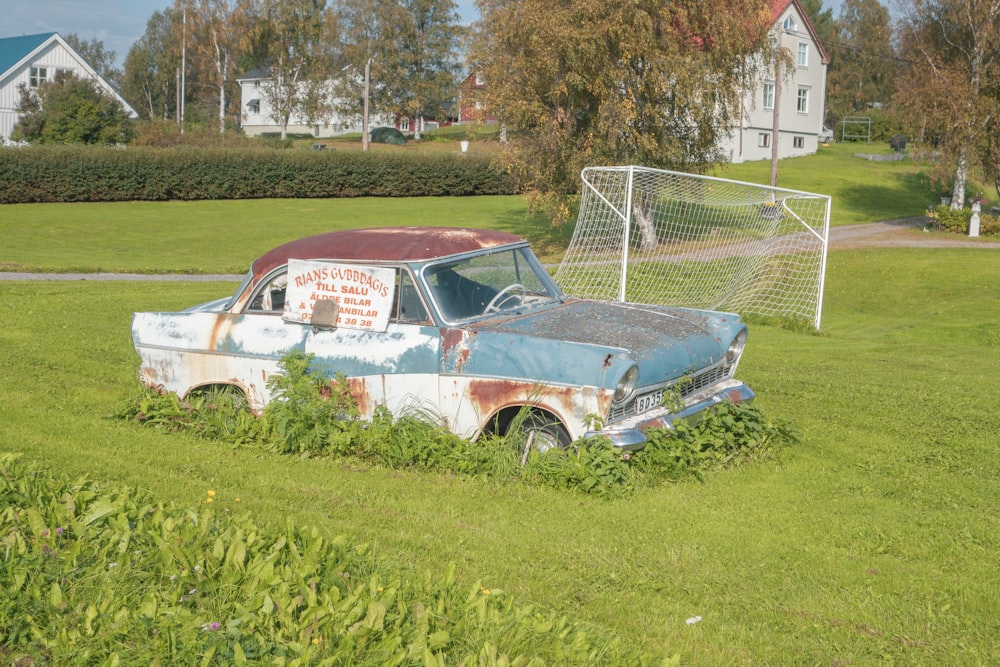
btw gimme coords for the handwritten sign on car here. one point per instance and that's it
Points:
(363, 294)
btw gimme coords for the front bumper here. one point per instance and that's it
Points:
(630, 434)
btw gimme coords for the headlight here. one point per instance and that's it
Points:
(736, 349)
(626, 386)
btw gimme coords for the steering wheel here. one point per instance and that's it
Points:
(502, 297)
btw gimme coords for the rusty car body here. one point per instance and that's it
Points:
(465, 324)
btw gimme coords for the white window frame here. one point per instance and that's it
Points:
(802, 57)
(763, 140)
(480, 78)
(38, 76)
(802, 100)
(789, 24)
(798, 142)
(768, 95)
(404, 124)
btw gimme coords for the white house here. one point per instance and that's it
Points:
(33, 60)
(801, 98)
(256, 112)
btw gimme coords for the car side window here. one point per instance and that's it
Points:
(270, 296)
(408, 308)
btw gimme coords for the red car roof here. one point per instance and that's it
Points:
(391, 244)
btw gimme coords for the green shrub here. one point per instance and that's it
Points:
(83, 173)
(312, 415)
(957, 221)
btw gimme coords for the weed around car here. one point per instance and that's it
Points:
(317, 417)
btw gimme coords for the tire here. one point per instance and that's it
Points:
(538, 432)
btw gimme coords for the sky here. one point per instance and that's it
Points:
(119, 23)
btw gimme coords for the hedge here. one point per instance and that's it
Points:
(81, 173)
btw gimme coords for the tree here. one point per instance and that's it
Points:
(951, 49)
(219, 31)
(151, 68)
(426, 66)
(822, 20)
(598, 82)
(299, 36)
(371, 49)
(69, 110)
(101, 60)
(862, 70)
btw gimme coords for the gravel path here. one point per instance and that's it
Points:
(901, 233)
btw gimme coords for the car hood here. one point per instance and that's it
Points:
(580, 340)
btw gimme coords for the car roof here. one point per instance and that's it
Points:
(386, 244)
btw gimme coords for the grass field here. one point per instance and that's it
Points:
(873, 541)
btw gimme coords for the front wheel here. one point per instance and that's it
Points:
(540, 433)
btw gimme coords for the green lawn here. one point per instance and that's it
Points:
(873, 541)
(862, 190)
(224, 236)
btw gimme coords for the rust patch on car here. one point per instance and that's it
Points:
(454, 345)
(359, 392)
(490, 396)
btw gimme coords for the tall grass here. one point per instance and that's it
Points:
(872, 541)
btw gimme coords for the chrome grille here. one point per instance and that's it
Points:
(689, 384)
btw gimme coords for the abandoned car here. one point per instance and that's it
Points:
(464, 324)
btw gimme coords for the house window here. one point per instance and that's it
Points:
(798, 142)
(768, 95)
(789, 24)
(38, 76)
(803, 55)
(480, 79)
(253, 106)
(404, 124)
(802, 101)
(764, 140)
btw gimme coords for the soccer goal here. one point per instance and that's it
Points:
(653, 236)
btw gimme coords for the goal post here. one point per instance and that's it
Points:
(647, 235)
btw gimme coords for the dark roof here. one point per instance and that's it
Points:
(389, 244)
(14, 49)
(255, 73)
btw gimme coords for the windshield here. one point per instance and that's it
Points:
(487, 284)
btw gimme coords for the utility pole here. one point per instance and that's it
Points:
(183, 62)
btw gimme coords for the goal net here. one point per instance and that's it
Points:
(653, 236)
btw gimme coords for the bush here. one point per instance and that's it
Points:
(81, 173)
(954, 221)
(313, 416)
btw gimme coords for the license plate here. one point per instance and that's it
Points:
(648, 401)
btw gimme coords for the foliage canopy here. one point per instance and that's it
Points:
(951, 51)
(69, 110)
(598, 82)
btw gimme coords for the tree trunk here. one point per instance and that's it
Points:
(647, 229)
(958, 192)
(776, 121)
(364, 113)
(418, 122)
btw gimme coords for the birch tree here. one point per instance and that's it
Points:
(949, 86)
(426, 63)
(370, 35)
(220, 32)
(148, 82)
(298, 53)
